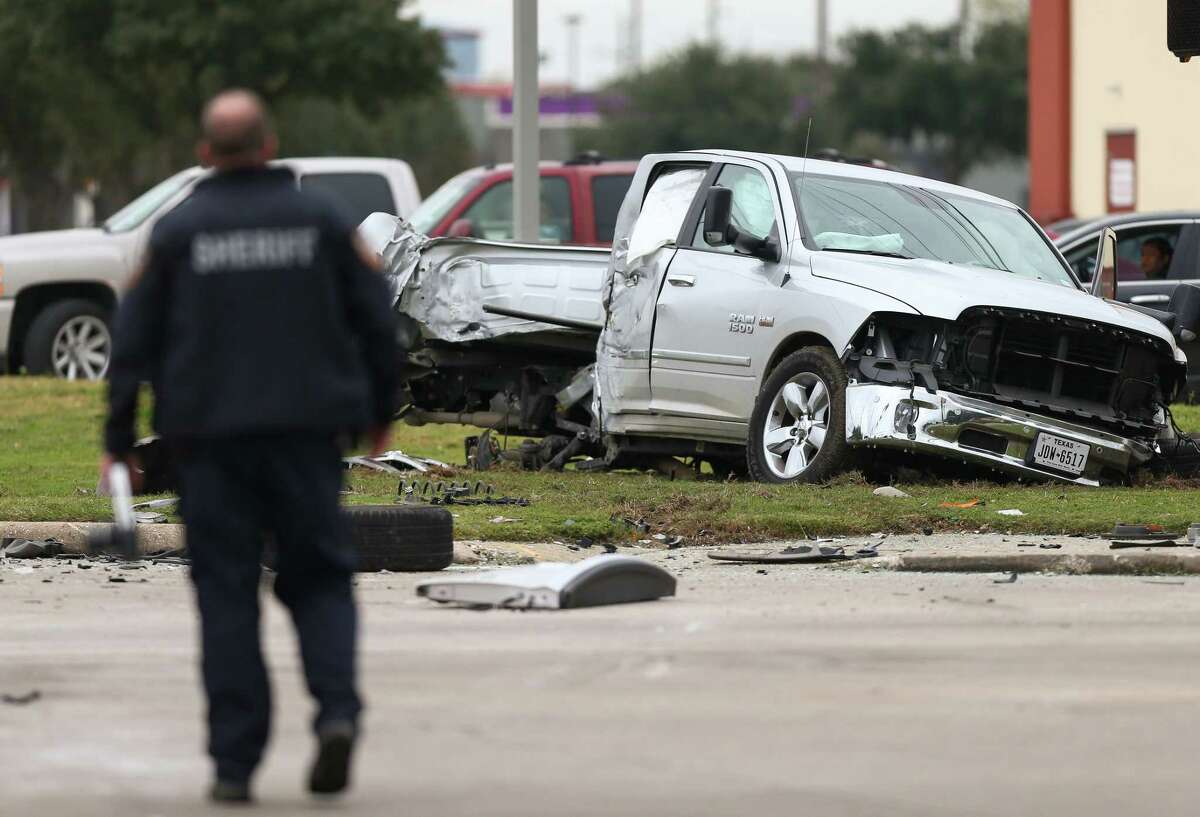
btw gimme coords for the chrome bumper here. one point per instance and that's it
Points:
(1000, 437)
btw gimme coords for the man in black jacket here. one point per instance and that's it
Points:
(266, 333)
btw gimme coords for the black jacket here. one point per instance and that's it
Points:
(253, 314)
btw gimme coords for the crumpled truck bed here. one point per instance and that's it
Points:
(444, 283)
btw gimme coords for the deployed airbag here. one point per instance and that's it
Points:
(888, 242)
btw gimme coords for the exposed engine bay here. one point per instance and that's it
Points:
(1082, 371)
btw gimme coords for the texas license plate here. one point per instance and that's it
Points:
(1060, 453)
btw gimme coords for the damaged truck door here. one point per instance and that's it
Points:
(717, 287)
(772, 315)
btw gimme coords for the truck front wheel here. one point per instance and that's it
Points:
(70, 339)
(798, 428)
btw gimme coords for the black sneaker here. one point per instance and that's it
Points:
(331, 770)
(230, 793)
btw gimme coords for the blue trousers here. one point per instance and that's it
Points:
(234, 493)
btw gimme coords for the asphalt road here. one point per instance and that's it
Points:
(796, 691)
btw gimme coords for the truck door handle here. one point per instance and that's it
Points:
(1150, 299)
(681, 280)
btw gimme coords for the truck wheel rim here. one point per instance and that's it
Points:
(82, 348)
(796, 425)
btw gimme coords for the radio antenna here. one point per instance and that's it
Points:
(804, 168)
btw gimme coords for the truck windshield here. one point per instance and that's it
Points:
(431, 212)
(141, 208)
(883, 218)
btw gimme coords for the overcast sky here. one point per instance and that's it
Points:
(763, 26)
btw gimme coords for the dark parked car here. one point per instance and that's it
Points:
(1138, 280)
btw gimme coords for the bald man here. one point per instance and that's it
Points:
(267, 336)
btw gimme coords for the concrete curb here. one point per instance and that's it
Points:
(74, 535)
(1172, 561)
(1141, 563)
(156, 538)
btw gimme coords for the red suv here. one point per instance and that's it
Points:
(580, 199)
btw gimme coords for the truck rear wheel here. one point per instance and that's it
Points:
(70, 339)
(798, 428)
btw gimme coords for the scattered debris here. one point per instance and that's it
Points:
(1193, 533)
(799, 554)
(1152, 581)
(674, 543)
(1012, 578)
(1027, 544)
(154, 504)
(451, 493)
(14, 548)
(117, 579)
(149, 518)
(596, 581)
(889, 491)
(970, 503)
(395, 462)
(1149, 543)
(1125, 532)
(499, 520)
(21, 700)
(1011, 512)
(639, 525)
(1049, 546)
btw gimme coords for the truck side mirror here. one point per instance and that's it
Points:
(1104, 278)
(717, 209)
(461, 228)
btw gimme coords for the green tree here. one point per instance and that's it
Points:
(703, 97)
(110, 89)
(920, 85)
(427, 131)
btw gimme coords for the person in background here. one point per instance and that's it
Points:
(265, 331)
(1156, 258)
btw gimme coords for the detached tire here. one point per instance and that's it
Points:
(798, 428)
(401, 538)
(71, 339)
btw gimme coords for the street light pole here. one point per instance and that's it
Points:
(572, 21)
(526, 213)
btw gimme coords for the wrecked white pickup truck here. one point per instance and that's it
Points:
(785, 318)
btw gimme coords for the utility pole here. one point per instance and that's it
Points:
(572, 21)
(634, 53)
(964, 23)
(526, 213)
(822, 31)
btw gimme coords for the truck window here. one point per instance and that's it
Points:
(753, 205)
(137, 211)
(360, 193)
(664, 209)
(491, 214)
(607, 194)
